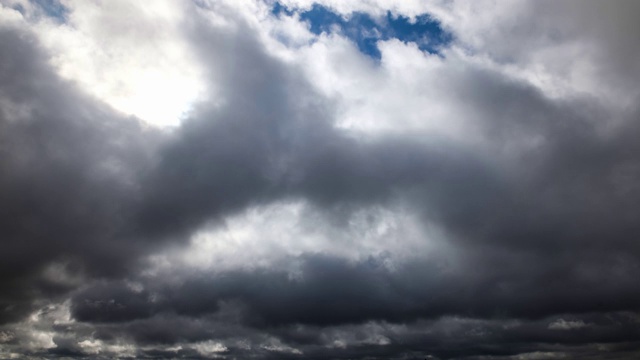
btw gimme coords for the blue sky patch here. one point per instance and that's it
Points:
(365, 31)
(53, 8)
(278, 9)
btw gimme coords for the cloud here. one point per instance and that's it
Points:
(132, 57)
(562, 324)
(316, 203)
(69, 168)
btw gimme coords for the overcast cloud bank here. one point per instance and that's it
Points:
(218, 179)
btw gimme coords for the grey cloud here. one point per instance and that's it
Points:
(69, 167)
(328, 291)
(274, 137)
(444, 338)
(593, 39)
(544, 232)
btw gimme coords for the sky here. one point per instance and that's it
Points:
(330, 179)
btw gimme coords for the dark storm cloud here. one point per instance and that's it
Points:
(608, 336)
(567, 181)
(329, 292)
(543, 214)
(68, 168)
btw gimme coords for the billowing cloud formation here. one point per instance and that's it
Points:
(69, 172)
(315, 202)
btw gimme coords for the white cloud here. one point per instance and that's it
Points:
(539, 355)
(133, 56)
(265, 236)
(562, 324)
(6, 336)
(209, 348)
(91, 346)
(275, 345)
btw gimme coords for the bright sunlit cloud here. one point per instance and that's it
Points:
(131, 56)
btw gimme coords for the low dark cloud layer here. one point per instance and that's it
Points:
(330, 291)
(539, 213)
